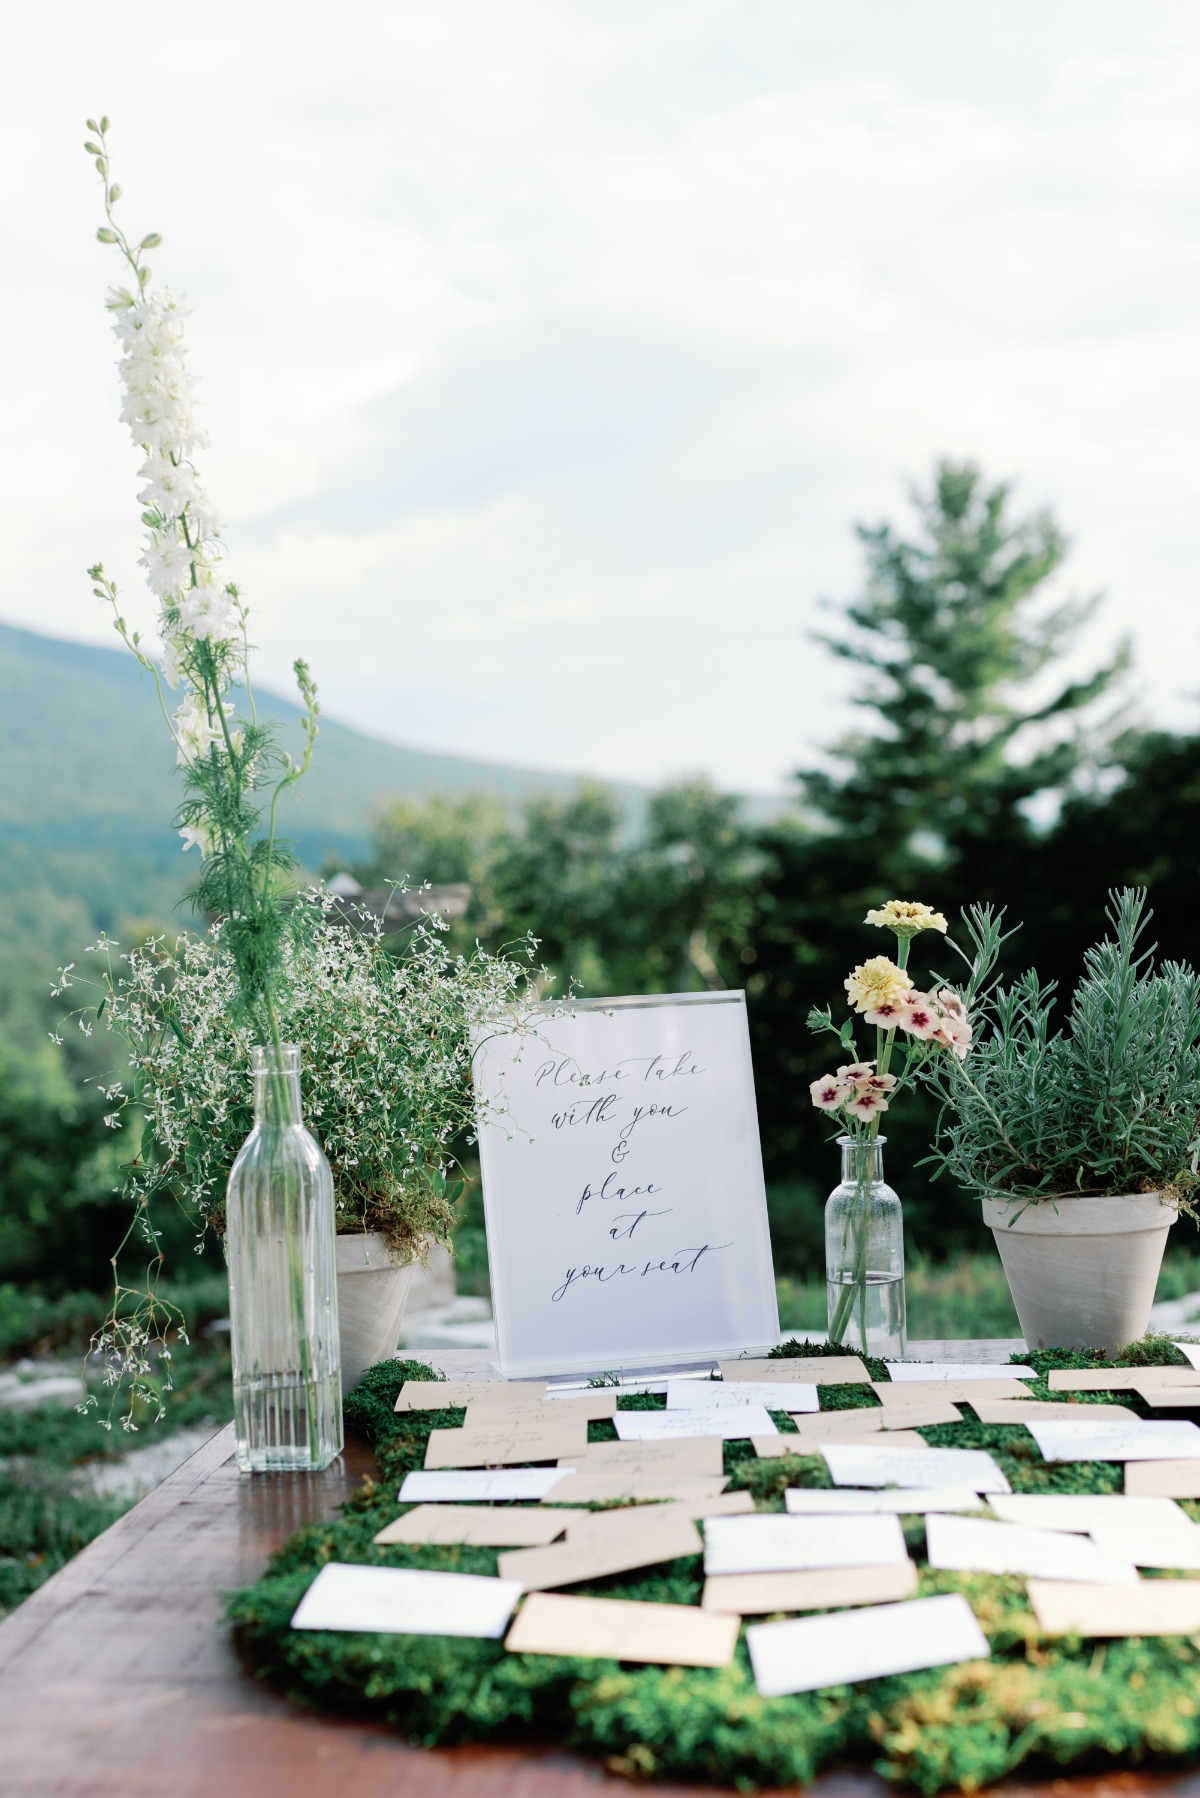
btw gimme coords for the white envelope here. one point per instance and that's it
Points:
(1189, 1350)
(957, 1370)
(429, 1486)
(863, 1464)
(1161, 1439)
(1085, 1511)
(804, 1501)
(778, 1544)
(715, 1395)
(730, 1424)
(407, 1601)
(807, 1653)
(977, 1545)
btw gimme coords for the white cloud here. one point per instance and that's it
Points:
(548, 352)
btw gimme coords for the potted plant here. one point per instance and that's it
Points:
(1082, 1141)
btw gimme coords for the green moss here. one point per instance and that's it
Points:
(1049, 1703)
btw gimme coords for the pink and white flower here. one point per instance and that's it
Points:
(828, 1094)
(858, 1072)
(867, 1104)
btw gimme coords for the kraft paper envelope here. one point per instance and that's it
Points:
(1085, 1511)
(731, 1424)
(781, 1544)
(1118, 1379)
(718, 1504)
(1154, 1607)
(921, 1372)
(863, 1420)
(686, 1455)
(611, 1488)
(679, 1635)
(439, 1395)
(950, 1392)
(640, 1537)
(407, 1601)
(901, 1501)
(512, 1436)
(867, 1464)
(1178, 1398)
(713, 1395)
(1018, 1410)
(1166, 1479)
(479, 1526)
(814, 1589)
(977, 1545)
(592, 1405)
(1132, 1441)
(821, 1370)
(809, 1442)
(926, 1407)
(480, 1486)
(845, 1646)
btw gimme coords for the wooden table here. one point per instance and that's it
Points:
(118, 1678)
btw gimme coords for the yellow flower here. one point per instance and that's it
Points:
(907, 917)
(876, 982)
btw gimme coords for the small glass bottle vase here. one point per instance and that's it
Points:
(279, 1243)
(864, 1254)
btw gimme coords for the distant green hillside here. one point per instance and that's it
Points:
(88, 788)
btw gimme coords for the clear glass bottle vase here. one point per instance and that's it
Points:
(864, 1254)
(279, 1243)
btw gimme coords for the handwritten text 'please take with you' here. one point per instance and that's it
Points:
(615, 1117)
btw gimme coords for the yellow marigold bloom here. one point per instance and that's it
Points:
(907, 917)
(877, 982)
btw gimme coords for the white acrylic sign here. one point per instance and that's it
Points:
(623, 1187)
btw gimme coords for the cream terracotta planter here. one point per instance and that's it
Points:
(1082, 1272)
(372, 1291)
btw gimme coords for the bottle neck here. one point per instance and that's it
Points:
(862, 1160)
(276, 1085)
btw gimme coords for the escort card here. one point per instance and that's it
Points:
(891, 1393)
(612, 1488)
(406, 1601)
(957, 1370)
(863, 1464)
(685, 1455)
(730, 1424)
(621, 1629)
(771, 1543)
(1117, 1379)
(1018, 1410)
(819, 1370)
(641, 1537)
(718, 1504)
(623, 1187)
(1154, 1607)
(1171, 1479)
(1136, 1441)
(477, 1526)
(816, 1589)
(1086, 1511)
(1190, 1351)
(864, 1420)
(510, 1483)
(804, 1501)
(594, 1405)
(977, 1545)
(1172, 1551)
(809, 1442)
(440, 1395)
(847, 1646)
(774, 1395)
(509, 1437)
(918, 1408)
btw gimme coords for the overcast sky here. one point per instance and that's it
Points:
(549, 349)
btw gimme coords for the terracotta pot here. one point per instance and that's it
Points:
(1082, 1271)
(372, 1291)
